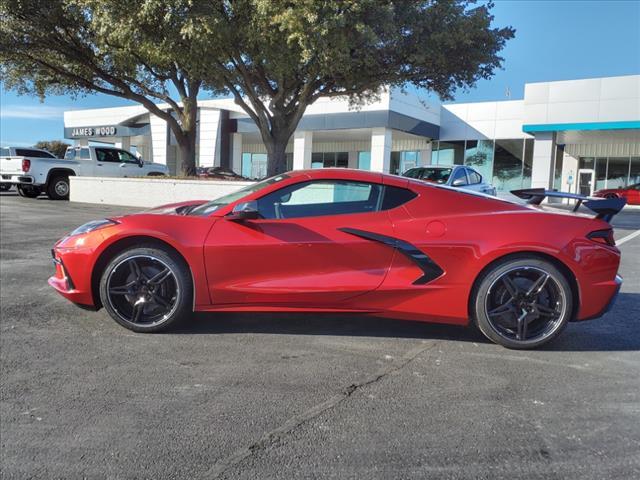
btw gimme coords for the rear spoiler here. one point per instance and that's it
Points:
(604, 208)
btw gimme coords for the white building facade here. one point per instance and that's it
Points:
(579, 135)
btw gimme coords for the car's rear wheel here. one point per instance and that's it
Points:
(147, 289)
(29, 191)
(522, 302)
(58, 188)
(611, 195)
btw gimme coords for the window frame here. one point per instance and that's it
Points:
(455, 174)
(378, 203)
(470, 172)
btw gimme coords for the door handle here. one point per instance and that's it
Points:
(99, 164)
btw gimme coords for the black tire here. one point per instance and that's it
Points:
(5, 187)
(29, 191)
(611, 195)
(132, 299)
(58, 187)
(521, 302)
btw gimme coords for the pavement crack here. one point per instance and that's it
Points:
(276, 435)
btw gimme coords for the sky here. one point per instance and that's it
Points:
(555, 40)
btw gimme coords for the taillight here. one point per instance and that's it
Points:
(26, 165)
(604, 237)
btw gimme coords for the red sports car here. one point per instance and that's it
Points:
(631, 193)
(339, 240)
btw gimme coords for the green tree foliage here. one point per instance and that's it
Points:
(138, 51)
(274, 57)
(56, 147)
(278, 57)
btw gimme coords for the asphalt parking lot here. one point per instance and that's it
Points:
(291, 396)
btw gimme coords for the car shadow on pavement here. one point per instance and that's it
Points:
(323, 324)
(618, 330)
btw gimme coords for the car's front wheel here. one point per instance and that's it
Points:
(522, 302)
(29, 191)
(147, 289)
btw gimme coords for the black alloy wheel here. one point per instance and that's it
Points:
(147, 289)
(523, 303)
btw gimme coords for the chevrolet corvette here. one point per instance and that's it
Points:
(356, 242)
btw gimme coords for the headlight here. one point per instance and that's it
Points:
(91, 226)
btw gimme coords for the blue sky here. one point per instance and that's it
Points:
(555, 40)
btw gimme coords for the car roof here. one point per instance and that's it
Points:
(437, 167)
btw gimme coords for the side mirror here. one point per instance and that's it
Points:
(244, 211)
(140, 162)
(458, 183)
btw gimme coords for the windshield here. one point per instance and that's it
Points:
(214, 205)
(436, 175)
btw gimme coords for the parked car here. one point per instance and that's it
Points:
(630, 192)
(351, 241)
(458, 176)
(37, 174)
(11, 157)
(220, 173)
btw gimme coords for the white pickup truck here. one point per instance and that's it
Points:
(36, 171)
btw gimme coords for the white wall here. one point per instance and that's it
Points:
(208, 137)
(147, 192)
(158, 139)
(610, 99)
(482, 121)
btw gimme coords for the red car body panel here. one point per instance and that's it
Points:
(631, 193)
(319, 264)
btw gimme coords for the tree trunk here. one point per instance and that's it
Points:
(276, 156)
(187, 148)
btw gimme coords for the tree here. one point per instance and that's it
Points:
(137, 52)
(277, 57)
(56, 147)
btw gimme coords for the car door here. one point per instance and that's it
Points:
(299, 253)
(107, 163)
(129, 165)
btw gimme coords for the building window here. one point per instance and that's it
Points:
(557, 167)
(254, 165)
(478, 154)
(450, 153)
(527, 165)
(329, 159)
(634, 171)
(617, 172)
(601, 173)
(364, 160)
(507, 164)
(403, 161)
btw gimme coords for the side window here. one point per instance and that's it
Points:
(25, 152)
(321, 198)
(459, 174)
(5, 152)
(107, 155)
(414, 173)
(126, 157)
(474, 177)
(396, 196)
(84, 154)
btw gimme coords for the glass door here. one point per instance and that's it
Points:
(585, 181)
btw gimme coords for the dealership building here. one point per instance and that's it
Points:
(577, 135)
